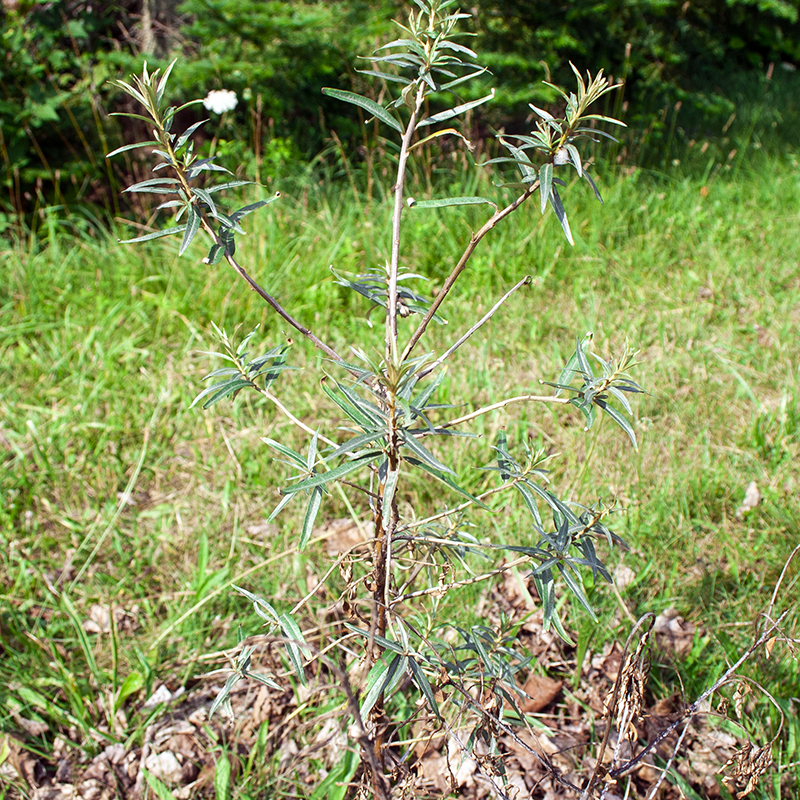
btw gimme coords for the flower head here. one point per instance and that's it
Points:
(220, 100)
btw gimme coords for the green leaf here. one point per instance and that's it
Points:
(558, 207)
(453, 201)
(219, 391)
(156, 235)
(243, 212)
(229, 185)
(576, 589)
(368, 105)
(335, 784)
(593, 185)
(134, 146)
(454, 112)
(386, 76)
(388, 495)
(154, 184)
(311, 514)
(419, 677)
(266, 680)
(184, 137)
(447, 481)
(296, 646)
(158, 788)
(545, 184)
(214, 254)
(575, 157)
(292, 455)
(193, 221)
(283, 503)
(413, 444)
(259, 603)
(386, 644)
(133, 683)
(620, 420)
(222, 778)
(337, 472)
(382, 678)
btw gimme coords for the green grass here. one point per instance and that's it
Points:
(110, 484)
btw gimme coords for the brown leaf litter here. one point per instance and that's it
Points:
(565, 705)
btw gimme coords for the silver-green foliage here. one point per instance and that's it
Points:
(387, 400)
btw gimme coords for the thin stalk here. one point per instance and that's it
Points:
(523, 398)
(482, 321)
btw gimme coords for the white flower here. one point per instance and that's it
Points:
(220, 100)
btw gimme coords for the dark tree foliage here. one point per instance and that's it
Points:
(666, 50)
(57, 58)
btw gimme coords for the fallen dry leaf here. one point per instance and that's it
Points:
(541, 691)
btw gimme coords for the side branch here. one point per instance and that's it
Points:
(523, 398)
(271, 301)
(462, 262)
(482, 321)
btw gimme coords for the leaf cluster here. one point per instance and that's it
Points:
(177, 155)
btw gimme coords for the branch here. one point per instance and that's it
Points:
(524, 282)
(462, 262)
(523, 398)
(270, 300)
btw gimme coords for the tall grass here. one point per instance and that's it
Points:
(112, 488)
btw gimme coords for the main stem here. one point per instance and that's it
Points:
(394, 264)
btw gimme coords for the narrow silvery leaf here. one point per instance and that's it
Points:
(463, 79)
(334, 474)
(575, 157)
(229, 185)
(419, 677)
(293, 455)
(311, 514)
(558, 207)
(259, 603)
(193, 221)
(386, 644)
(207, 199)
(226, 390)
(422, 452)
(622, 422)
(454, 112)
(541, 112)
(545, 184)
(127, 147)
(312, 451)
(295, 646)
(621, 397)
(576, 589)
(388, 495)
(184, 137)
(447, 481)
(368, 105)
(452, 201)
(285, 500)
(156, 235)
(382, 679)
(593, 185)
(243, 212)
(162, 184)
(386, 76)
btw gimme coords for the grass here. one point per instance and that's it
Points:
(116, 495)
